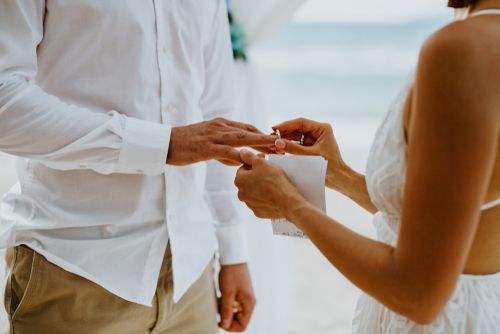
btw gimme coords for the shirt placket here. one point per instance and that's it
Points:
(162, 52)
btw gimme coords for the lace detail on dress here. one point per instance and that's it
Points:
(472, 309)
(386, 168)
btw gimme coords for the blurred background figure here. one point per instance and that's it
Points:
(337, 61)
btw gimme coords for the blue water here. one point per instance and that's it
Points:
(340, 72)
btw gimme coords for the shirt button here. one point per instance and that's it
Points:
(164, 49)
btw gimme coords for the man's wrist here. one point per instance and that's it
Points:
(171, 154)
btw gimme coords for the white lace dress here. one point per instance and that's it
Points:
(475, 304)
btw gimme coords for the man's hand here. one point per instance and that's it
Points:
(237, 301)
(215, 139)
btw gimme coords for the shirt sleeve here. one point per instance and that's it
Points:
(39, 126)
(218, 101)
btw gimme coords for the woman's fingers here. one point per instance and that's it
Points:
(248, 158)
(291, 135)
(287, 146)
(307, 139)
(280, 145)
(300, 125)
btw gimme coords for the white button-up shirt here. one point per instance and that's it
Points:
(89, 91)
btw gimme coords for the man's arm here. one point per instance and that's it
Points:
(218, 101)
(39, 126)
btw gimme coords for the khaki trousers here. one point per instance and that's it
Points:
(41, 298)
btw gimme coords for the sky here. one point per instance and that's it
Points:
(371, 10)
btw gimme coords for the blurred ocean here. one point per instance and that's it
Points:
(340, 72)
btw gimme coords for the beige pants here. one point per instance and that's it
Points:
(42, 298)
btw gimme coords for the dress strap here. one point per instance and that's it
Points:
(490, 205)
(486, 12)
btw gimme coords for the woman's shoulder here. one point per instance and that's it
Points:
(460, 43)
(458, 75)
(461, 59)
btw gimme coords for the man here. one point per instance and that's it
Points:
(105, 237)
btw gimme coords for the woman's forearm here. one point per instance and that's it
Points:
(350, 183)
(369, 264)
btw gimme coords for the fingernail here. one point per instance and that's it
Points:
(225, 324)
(280, 144)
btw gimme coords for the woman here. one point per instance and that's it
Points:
(433, 183)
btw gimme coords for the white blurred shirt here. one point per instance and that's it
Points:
(89, 91)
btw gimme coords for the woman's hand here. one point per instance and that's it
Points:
(265, 188)
(318, 139)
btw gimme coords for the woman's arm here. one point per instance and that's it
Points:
(320, 140)
(453, 142)
(352, 184)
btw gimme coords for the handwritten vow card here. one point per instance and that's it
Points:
(308, 175)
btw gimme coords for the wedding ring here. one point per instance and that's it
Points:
(302, 139)
(278, 134)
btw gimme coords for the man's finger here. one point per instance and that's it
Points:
(230, 163)
(226, 310)
(243, 317)
(243, 126)
(265, 150)
(248, 157)
(226, 154)
(246, 138)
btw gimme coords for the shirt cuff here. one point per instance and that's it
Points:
(233, 247)
(145, 147)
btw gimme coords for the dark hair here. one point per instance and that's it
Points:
(461, 3)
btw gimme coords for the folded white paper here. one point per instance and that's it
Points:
(308, 174)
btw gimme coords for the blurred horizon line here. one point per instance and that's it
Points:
(383, 22)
